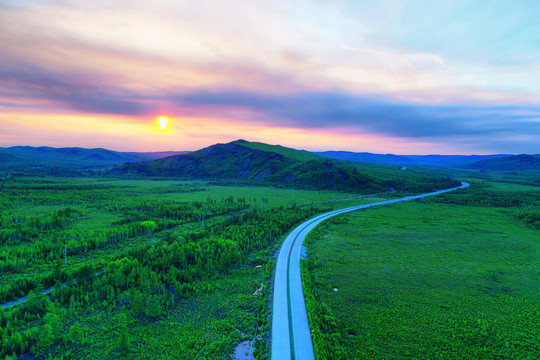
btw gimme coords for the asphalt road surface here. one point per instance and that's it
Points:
(291, 335)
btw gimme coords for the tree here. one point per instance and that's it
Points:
(148, 227)
(55, 322)
(86, 272)
(15, 343)
(32, 301)
(57, 267)
(139, 303)
(123, 341)
(76, 334)
(46, 337)
(153, 306)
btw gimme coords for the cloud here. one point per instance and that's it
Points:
(371, 114)
(73, 92)
(386, 58)
(420, 59)
(314, 65)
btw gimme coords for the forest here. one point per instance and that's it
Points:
(104, 256)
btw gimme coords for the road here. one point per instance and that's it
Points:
(291, 336)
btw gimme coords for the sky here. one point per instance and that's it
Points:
(385, 76)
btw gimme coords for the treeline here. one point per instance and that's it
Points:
(487, 198)
(49, 241)
(82, 191)
(180, 211)
(15, 229)
(422, 184)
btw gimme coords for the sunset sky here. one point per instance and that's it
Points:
(385, 76)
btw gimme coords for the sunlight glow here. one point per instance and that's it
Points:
(163, 123)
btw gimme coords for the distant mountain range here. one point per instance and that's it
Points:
(498, 162)
(73, 158)
(509, 163)
(262, 161)
(457, 161)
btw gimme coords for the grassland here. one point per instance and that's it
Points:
(453, 277)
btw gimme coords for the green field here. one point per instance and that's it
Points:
(452, 277)
(158, 269)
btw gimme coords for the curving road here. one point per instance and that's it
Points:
(291, 337)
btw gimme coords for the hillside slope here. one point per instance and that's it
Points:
(442, 161)
(274, 164)
(44, 158)
(509, 163)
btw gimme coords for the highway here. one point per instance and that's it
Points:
(291, 335)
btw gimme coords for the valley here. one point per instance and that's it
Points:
(167, 258)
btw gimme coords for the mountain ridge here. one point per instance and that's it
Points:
(434, 160)
(522, 162)
(69, 158)
(262, 163)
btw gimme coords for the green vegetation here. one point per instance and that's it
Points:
(140, 268)
(454, 276)
(300, 155)
(279, 166)
(107, 268)
(327, 342)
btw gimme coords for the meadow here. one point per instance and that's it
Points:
(453, 277)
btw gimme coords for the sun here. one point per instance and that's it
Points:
(163, 123)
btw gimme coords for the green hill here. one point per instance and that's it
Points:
(277, 165)
(300, 155)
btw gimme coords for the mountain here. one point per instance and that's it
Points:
(156, 155)
(445, 161)
(367, 157)
(28, 158)
(271, 164)
(254, 162)
(509, 163)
